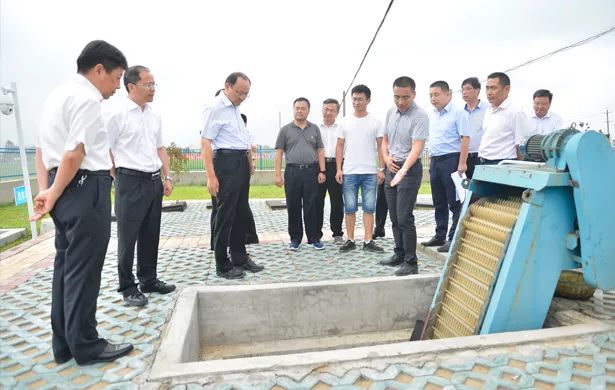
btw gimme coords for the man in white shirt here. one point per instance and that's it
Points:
(503, 126)
(135, 142)
(475, 109)
(544, 121)
(72, 168)
(358, 146)
(328, 133)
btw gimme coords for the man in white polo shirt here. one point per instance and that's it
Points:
(503, 126)
(135, 141)
(544, 121)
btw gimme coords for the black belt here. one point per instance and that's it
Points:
(444, 156)
(142, 175)
(330, 159)
(302, 166)
(54, 171)
(487, 161)
(473, 155)
(230, 151)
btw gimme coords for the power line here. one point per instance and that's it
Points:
(369, 47)
(576, 44)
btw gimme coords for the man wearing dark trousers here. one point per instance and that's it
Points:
(475, 110)
(301, 143)
(73, 171)
(382, 209)
(449, 140)
(135, 140)
(328, 132)
(227, 156)
(406, 128)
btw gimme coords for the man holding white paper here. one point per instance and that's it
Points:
(449, 140)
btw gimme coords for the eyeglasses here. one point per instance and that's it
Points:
(241, 95)
(151, 86)
(398, 98)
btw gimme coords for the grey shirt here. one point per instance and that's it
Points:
(300, 145)
(402, 128)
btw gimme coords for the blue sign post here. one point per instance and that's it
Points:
(20, 195)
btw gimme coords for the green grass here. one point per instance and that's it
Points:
(12, 216)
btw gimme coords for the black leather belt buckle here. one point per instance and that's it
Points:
(156, 176)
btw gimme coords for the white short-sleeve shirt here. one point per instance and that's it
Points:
(72, 116)
(503, 129)
(134, 136)
(547, 124)
(360, 143)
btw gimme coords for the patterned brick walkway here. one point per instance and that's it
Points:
(185, 259)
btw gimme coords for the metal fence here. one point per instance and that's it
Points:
(10, 164)
(264, 159)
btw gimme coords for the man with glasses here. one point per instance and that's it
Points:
(227, 156)
(301, 143)
(138, 154)
(358, 144)
(328, 132)
(406, 128)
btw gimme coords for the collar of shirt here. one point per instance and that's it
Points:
(408, 111)
(132, 105)
(323, 126)
(307, 124)
(225, 100)
(81, 79)
(505, 105)
(479, 106)
(547, 115)
(446, 108)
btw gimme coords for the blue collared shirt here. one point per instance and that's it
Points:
(446, 128)
(475, 119)
(222, 124)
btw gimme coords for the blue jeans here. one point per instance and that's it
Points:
(368, 184)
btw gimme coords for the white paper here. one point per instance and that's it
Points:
(461, 192)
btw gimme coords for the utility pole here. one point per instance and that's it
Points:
(279, 119)
(343, 103)
(608, 130)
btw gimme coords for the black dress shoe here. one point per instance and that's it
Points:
(407, 269)
(251, 266)
(134, 297)
(392, 261)
(110, 353)
(157, 286)
(61, 359)
(233, 273)
(378, 234)
(445, 247)
(433, 242)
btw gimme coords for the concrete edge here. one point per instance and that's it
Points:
(174, 344)
(200, 370)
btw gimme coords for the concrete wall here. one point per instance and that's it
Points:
(239, 314)
(6, 190)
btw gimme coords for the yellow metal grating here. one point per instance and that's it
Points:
(473, 266)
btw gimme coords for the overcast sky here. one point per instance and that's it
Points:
(311, 48)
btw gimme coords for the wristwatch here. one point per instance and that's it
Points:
(323, 172)
(381, 169)
(169, 178)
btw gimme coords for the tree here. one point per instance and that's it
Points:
(177, 160)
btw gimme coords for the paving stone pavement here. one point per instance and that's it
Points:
(185, 259)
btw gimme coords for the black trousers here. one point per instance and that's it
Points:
(232, 207)
(443, 193)
(301, 189)
(138, 208)
(472, 162)
(251, 235)
(82, 217)
(381, 209)
(401, 200)
(335, 198)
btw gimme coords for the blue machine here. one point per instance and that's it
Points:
(522, 223)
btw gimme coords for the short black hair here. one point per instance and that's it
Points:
(232, 78)
(472, 82)
(219, 91)
(132, 75)
(362, 89)
(404, 82)
(502, 77)
(443, 85)
(301, 99)
(245, 119)
(100, 52)
(332, 101)
(543, 93)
